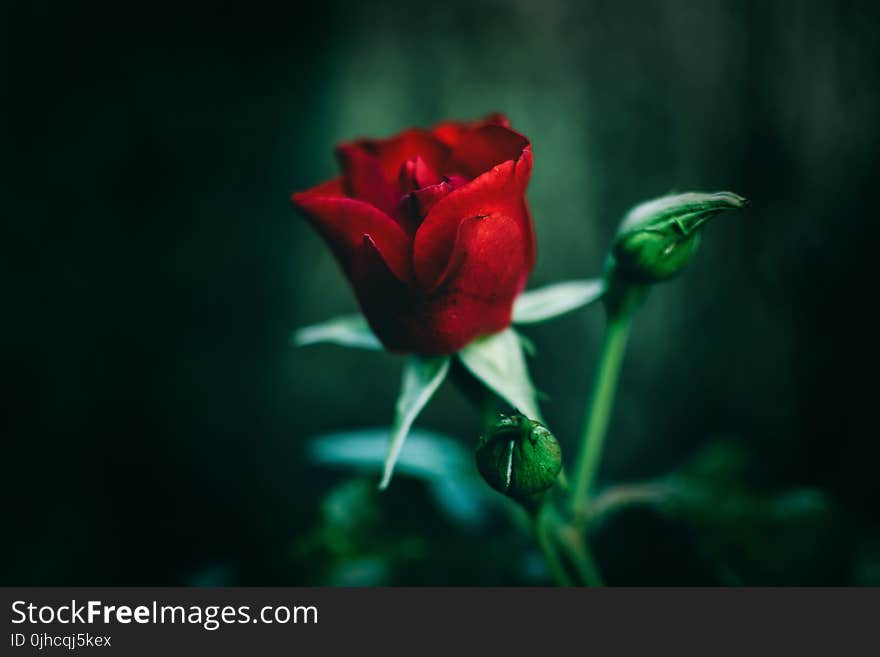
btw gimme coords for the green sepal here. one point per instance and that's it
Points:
(554, 300)
(421, 378)
(499, 363)
(345, 331)
(659, 237)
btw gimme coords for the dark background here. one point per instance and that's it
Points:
(154, 411)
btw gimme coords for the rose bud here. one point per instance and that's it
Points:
(432, 230)
(658, 238)
(519, 457)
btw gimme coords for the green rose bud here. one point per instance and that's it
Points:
(519, 457)
(658, 238)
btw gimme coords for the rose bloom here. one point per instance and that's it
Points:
(432, 229)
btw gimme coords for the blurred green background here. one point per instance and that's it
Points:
(156, 417)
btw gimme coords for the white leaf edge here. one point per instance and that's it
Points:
(557, 299)
(420, 380)
(346, 331)
(498, 361)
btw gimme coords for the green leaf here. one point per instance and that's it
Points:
(426, 455)
(557, 299)
(445, 464)
(785, 537)
(421, 378)
(497, 360)
(346, 331)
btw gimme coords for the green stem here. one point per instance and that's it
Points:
(599, 410)
(541, 521)
(578, 552)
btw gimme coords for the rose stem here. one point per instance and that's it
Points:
(600, 405)
(541, 519)
(577, 550)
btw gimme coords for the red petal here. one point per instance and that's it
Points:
(451, 132)
(330, 188)
(481, 149)
(414, 207)
(415, 174)
(457, 181)
(386, 301)
(528, 228)
(343, 223)
(500, 190)
(489, 260)
(488, 270)
(364, 178)
(476, 300)
(427, 197)
(394, 151)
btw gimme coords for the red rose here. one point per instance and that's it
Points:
(432, 230)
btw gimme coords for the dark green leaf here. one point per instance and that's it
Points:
(441, 461)
(757, 537)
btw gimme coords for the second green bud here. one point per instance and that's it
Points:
(519, 457)
(658, 238)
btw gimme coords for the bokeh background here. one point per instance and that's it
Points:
(156, 416)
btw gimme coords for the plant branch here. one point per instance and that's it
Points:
(542, 518)
(577, 549)
(599, 410)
